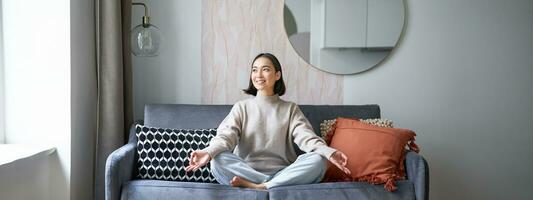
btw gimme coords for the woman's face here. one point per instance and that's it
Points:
(264, 76)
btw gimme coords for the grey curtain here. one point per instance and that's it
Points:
(114, 72)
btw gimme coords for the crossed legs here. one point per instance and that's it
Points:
(230, 169)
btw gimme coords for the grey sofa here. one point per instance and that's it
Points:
(121, 182)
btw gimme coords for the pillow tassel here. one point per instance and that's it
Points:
(390, 186)
(413, 146)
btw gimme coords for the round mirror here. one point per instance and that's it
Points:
(343, 36)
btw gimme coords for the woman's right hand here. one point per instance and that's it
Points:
(197, 159)
(340, 160)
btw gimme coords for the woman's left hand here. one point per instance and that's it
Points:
(340, 160)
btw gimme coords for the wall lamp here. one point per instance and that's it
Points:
(145, 37)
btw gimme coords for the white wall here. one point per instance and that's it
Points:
(84, 97)
(174, 75)
(461, 78)
(2, 108)
(37, 93)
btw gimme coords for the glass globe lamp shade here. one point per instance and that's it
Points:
(145, 40)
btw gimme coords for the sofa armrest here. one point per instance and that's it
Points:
(119, 169)
(418, 172)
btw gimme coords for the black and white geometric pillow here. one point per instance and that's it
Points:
(164, 153)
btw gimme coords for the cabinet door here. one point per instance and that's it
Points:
(345, 23)
(385, 22)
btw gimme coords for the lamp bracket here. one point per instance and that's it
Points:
(146, 17)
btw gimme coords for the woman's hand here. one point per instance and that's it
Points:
(340, 160)
(197, 159)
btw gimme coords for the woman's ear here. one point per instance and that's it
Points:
(278, 75)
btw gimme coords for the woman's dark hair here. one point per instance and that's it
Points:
(279, 86)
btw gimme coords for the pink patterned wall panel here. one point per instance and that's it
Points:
(234, 32)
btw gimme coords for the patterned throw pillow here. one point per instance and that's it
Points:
(327, 126)
(164, 153)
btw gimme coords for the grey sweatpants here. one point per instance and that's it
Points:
(308, 168)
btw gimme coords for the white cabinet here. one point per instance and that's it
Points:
(384, 22)
(345, 23)
(361, 23)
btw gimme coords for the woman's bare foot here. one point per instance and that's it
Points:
(240, 182)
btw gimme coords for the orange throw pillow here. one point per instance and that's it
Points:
(375, 154)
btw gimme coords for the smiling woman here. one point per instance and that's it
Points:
(266, 76)
(262, 130)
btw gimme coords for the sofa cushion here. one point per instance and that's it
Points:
(163, 190)
(342, 191)
(164, 153)
(375, 154)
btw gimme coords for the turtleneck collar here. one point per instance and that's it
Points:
(270, 99)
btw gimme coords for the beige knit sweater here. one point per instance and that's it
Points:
(261, 130)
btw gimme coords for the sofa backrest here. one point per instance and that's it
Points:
(183, 116)
(316, 114)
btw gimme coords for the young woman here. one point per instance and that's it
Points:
(260, 131)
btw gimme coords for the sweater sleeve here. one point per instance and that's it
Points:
(304, 136)
(228, 133)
